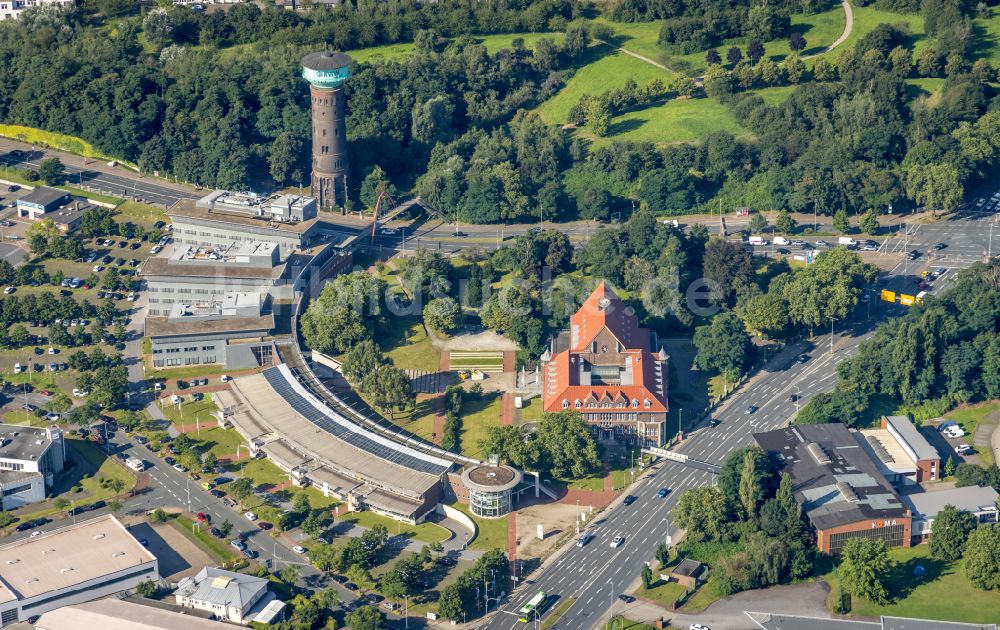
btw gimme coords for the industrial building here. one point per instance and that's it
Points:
(316, 444)
(70, 565)
(229, 596)
(903, 453)
(981, 502)
(610, 370)
(116, 614)
(30, 458)
(840, 487)
(232, 332)
(193, 274)
(41, 201)
(222, 218)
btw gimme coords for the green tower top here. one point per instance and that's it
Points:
(328, 69)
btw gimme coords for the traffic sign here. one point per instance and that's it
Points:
(888, 296)
(905, 300)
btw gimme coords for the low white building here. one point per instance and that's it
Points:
(30, 458)
(981, 502)
(11, 9)
(71, 565)
(115, 614)
(229, 596)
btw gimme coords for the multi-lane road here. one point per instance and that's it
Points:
(594, 575)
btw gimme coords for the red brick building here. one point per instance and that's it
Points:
(611, 370)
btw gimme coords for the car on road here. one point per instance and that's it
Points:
(629, 500)
(939, 246)
(793, 397)
(713, 423)
(821, 243)
(250, 516)
(628, 599)
(583, 539)
(617, 541)
(215, 492)
(387, 232)
(202, 517)
(913, 255)
(699, 626)
(802, 358)
(37, 532)
(751, 410)
(238, 544)
(299, 549)
(784, 252)
(663, 493)
(180, 469)
(446, 561)
(250, 553)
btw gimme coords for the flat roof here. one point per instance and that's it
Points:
(165, 267)
(43, 196)
(23, 442)
(165, 327)
(69, 213)
(187, 208)
(887, 450)
(912, 436)
(968, 498)
(834, 478)
(115, 614)
(67, 556)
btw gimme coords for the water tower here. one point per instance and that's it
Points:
(326, 72)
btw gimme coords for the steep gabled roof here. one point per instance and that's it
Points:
(604, 309)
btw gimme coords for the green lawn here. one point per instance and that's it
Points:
(867, 18)
(189, 410)
(458, 362)
(531, 410)
(261, 471)
(63, 142)
(491, 534)
(186, 372)
(774, 95)
(677, 120)
(664, 593)
(405, 341)
(421, 423)
(970, 417)
(477, 414)
(819, 29)
(987, 40)
(424, 532)
(140, 213)
(943, 593)
(605, 69)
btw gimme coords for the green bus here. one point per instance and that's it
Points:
(532, 608)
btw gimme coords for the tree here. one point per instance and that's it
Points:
(752, 488)
(758, 222)
(158, 27)
(366, 618)
(159, 516)
(393, 585)
(784, 222)
(300, 503)
(951, 529)
(863, 569)
(755, 50)
(936, 186)
(830, 287)
(702, 513)
(982, 557)
(712, 57)
(117, 485)
(723, 345)
(598, 115)
(796, 41)
(146, 588)
(869, 223)
(841, 222)
(765, 313)
(389, 389)
(647, 577)
(60, 504)
(289, 574)
(373, 185)
(6, 520)
(567, 445)
(52, 171)
(728, 267)
(734, 55)
(442, 315)
(242, 489)
(226, 528)
(683, 85)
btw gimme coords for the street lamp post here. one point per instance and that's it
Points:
(832, 319)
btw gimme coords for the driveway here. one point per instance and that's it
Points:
(727, 614)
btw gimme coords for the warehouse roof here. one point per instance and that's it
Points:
(115, 614)
(968, 499)
(252, 326)
(911, 438)
(186, 208)
(834, 478)
(43, 196)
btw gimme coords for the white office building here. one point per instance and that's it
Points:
(230, 596)
(30, 458)
(11, 9)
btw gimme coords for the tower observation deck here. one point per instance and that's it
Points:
(326, 72)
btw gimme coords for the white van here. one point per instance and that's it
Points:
(758, 240)
(135, 464)
(781, 240)
(846, 240)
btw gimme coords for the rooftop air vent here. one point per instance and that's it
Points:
(98, 536)
(848, 492)
(818, 453)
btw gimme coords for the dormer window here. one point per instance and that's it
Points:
(646, 403)
(576, 403)
(635, 403)
(565, 404)
(604, 349)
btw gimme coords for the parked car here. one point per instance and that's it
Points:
(250, 516)
(215, 531)
(238, 544)
(264, 525)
